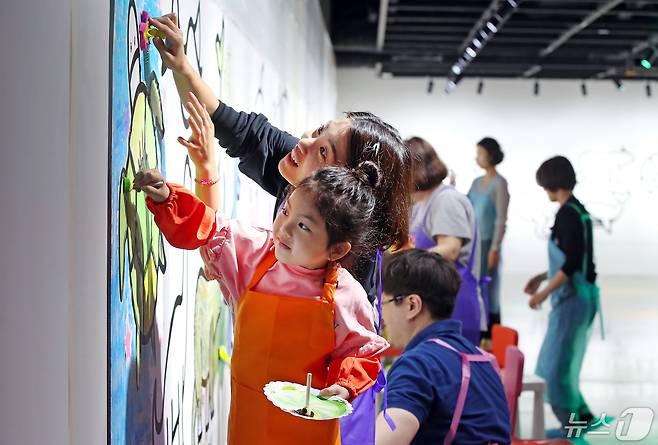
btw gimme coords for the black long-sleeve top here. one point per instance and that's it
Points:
(569, 235)
(260, 146)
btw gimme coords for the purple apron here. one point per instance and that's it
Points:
(359, 427)
(467, 305)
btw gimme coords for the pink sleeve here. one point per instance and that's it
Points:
(354, 363)
(355, 327)
(232, 254)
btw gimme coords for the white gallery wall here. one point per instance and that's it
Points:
(609, 135)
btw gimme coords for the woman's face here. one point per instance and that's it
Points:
(552, 196)
(300, 233)
(328, 144)
(482, 157)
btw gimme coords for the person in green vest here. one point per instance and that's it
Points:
(574, 295)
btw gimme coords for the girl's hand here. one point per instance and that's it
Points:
(335, 390)
(493, 259)
(201, 144)
(533, 284)
(173, 52)
(153, 184)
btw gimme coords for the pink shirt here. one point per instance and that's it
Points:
(234, 251)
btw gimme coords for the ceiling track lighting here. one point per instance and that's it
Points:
(536, 87)
(489, 26)
(430, 86)
(648, 89)
(583, 88)
(480, 86)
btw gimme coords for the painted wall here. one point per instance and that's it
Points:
(168, 325)
(608, 135)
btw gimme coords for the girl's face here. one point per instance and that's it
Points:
(300, 234)
(328, 144)
(482, 157)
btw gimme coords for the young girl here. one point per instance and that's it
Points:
(574, 294)
(296, 310)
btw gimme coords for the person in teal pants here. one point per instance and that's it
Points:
(490, 199)
(574, 295)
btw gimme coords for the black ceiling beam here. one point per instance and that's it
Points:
(568, 34)
(525, 30)
(585, 74)
(476, 10)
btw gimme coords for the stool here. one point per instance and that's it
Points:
(537, 385)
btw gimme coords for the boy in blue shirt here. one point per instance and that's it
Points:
(425, 382)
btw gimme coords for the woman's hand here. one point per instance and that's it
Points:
(537, 299)
(173, 52)
(533, 284)
(335, 390)
(493, 259)
(153, 184)
(201, 144)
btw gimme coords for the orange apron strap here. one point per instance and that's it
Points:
(330, 283)
(262, 268)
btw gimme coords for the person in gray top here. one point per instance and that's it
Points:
(443, 221)
(490, 199)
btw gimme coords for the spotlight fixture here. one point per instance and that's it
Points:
(536, 87)
(618, 84)
(649, 59)
(583, 88)
(648, 88)
(489, 25)
(430, 86)
(450, 86)
(481, 86)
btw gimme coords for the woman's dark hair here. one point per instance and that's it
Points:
(346, 200)
(425, 273)
(428, 169)
(492, 148)
(556, 173)
(374, 140)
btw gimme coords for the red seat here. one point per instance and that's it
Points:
(512, 377)
(501, 338)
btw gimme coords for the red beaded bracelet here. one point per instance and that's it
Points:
(206, 181)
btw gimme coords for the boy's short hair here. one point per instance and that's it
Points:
(425, 273)
(556, 173)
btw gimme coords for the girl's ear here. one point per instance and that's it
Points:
(339, 250)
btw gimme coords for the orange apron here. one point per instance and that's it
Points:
(279, 337)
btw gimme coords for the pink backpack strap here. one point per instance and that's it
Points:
(463, 389)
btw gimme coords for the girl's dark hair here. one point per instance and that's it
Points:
(374, 140)
(492, 147)
(426, 274)
(346, 200)
(428, 169)
(556, 173)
